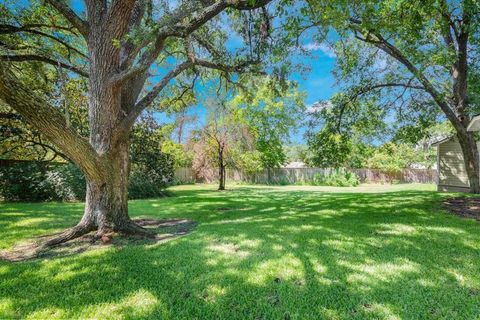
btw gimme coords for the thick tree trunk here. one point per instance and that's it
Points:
(106, 206)
(107, 202)
(224, 176)
(471, 158)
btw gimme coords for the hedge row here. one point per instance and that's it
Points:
(44, 181)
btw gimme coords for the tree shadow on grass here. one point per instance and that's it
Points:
(161, 230)
(270, 256)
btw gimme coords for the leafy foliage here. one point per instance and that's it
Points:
(329, 149)
(152, 170)
(69, 182)
(296, 153)
(391, 157)
(337, 178)
(25, 182)
(271, 111)
(181, 155)
(41, 181)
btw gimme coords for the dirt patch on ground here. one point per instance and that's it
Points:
(164, 230)
(464, 207)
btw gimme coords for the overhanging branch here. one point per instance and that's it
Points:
(71, 16)
(181, 23)
(7, 29)
(367, 89)
(35, 57)
(50, 122)
(372, 37)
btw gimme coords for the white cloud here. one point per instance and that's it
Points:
(382, 61)
(324, 48)
(318, 106)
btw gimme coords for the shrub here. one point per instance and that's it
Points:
(150, 177)
(338, 178)
(42, 181)
(152, 170)
(68, 182)
(26, 181)
(149, 183)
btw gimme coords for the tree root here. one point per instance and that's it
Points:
(130, 228)
(67, 235)
(34, 249)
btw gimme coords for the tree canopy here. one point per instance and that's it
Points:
(415, 59)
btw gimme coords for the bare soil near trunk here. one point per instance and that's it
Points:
(464, 207)
(162, 229)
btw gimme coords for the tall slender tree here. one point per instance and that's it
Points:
(130, 50)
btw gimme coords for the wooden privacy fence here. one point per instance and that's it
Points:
(305, 175)
(185, 175)
(403, 176)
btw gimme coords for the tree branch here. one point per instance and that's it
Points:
(6, 29)
(388, 85)
(125, 125)
(49, 147)
(377, 40)
(50, 122)
(35, 57)
(173, 27)
(176, 26)
(207, 46)
(224, 67)
(71, 16)
(50, 26)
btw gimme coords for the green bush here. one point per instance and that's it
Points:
(43, 181)
(149, 183)
(152, 169)
(26, 181)
(68, 181)
(150, 175)
(338, 178)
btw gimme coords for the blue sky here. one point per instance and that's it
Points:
(319, 82)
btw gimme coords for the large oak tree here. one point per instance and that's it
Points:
(130, 51)
(407, 55)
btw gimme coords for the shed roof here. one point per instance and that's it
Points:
(474, 124)
(435, 144)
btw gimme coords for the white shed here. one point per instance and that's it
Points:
(474, 125)
(452, 174)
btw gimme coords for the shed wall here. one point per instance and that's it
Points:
(452, 174)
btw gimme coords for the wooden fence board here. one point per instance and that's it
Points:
(303, 175)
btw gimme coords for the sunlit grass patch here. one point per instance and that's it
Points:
(258, 252)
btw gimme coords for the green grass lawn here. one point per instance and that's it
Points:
(372, 252)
